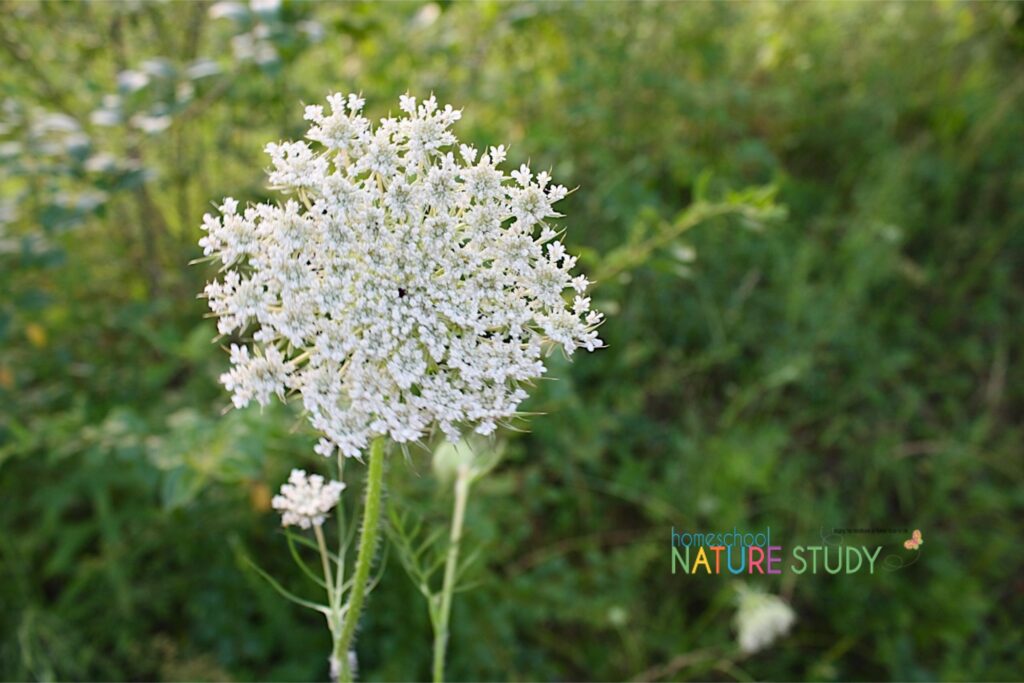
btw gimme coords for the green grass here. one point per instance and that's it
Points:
(845, 355)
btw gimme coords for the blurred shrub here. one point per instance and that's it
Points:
(848, 362)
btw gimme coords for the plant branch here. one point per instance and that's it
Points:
(364, 560)
(462, 484)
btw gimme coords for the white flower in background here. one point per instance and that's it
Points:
(335, 665)
(306, 499)
(404, 287)
(761, 619)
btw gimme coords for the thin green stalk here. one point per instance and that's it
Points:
(451, 565)
(364, 560)
(339, 580)
(318, 530)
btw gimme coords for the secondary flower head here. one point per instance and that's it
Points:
(761, 619)
(407, 283)
(306, 499)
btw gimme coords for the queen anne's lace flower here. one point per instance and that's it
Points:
(404, 286)
(761, 619)
(306, 499)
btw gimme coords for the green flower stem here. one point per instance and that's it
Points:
(364, 560)
(339, 580)
(322, 544)
(462, 483)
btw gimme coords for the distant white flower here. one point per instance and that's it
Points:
(403, 288)
(335, 665)
(761, 619)
(306, 499)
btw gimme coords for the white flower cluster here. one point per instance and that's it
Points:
(403, 287)
(761, 619)
(306, 499)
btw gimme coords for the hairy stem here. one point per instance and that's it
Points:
(451, 564)
(364, 560)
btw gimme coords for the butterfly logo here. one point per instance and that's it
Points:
(914, 541)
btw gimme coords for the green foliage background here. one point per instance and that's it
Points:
(807, 227)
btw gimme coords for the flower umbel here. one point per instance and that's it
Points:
(306, 499)
(761, 619)
(404, 286)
